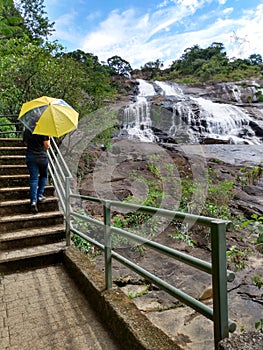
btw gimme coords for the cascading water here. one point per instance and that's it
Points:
(191, 119)
(137, 120)
(225, 121)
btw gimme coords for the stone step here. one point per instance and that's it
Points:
(14, 180)
(21, 192)
(28, 221)
(12, 160)
(26, 240)
(11, 142)
(19, 169)
(18, 151)
(31, 257)
(22, 206)
(31, 237)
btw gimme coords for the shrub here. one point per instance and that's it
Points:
(7, 129)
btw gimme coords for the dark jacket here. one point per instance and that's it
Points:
(35, 143)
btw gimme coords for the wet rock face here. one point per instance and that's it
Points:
(241, 92)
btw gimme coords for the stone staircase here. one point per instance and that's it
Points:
(26, 239)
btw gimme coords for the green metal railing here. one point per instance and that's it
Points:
(62, 180)
(217, 268)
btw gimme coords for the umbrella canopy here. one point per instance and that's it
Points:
(48, 116)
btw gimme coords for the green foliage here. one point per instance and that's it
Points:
(260, 96)
(29, 71)
(11, 21)
(7, 128)
(97, 84)
(104, 137)
(211, 64)
(81, 243)
(258, 281)
(237, 257)
(119, 222)
(152, 69)
(119, 66)
(154, 170)
(255, 59)
(219, 194)
(37, 25)
(185, 237)
(31, 67)
(255, 225)
(259, 325)
(138, 294)
(134, 220)
(214, 201)
(249, 175)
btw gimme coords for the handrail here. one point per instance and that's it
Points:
(59, 172)
(186, 258)
(220, 275)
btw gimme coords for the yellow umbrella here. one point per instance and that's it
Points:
(48, 116)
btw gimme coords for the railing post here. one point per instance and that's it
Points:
(107, 245)
(67, 209)
(219, 281)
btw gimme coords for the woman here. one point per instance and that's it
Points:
(37, 164)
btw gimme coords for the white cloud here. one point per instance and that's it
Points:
(165, 33)
(133, 37)
(65, 29)
(247, 35)
(114, 31)
(228, 11)
(93, 16)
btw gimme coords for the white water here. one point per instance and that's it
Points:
(169, 89)
(191, 116)
(145, 89)
(226, 120)
(137, 115)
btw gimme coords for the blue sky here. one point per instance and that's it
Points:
(144, 31)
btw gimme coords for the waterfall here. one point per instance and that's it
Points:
(169, 89)
(191, 119)
(145, 88)
(224, 120)
(137, 119)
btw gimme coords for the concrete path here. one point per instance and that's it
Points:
(43, 309)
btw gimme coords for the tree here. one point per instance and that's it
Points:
(29, 70)
(97, 85)
(11, 21)
(31, 67)
(151, 69)
(119, 66)
(36, 22)
(195, 57)
(255, 60)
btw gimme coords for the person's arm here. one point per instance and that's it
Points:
(47, 143)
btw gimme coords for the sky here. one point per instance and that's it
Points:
(144, 31)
